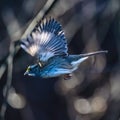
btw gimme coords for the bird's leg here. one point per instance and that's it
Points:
(40, 64)
(67, 76)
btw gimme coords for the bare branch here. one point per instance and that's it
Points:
(12, 51)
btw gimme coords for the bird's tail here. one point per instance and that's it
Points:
(93, 53)
(77, 59)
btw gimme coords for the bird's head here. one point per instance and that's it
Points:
(32, 70)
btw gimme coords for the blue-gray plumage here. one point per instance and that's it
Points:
(46, 40)
(48, 44)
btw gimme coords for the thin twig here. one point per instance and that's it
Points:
(13, 50)
(38, 17)
(28, 30)
(8, 82)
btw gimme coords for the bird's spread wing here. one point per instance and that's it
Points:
(46, 40)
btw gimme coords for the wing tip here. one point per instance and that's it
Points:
(49, 24)
(50, 27)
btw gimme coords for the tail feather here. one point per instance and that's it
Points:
(46, 40)
(93, 53)
(77, 59)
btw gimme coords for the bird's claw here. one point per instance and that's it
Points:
(67, 76)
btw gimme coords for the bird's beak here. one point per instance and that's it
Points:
(26, 72)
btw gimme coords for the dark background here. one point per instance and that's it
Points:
(93, 93)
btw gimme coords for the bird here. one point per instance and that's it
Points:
(48, 44)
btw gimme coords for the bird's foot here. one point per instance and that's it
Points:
(67, 76)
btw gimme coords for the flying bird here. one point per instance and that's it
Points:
(48, 44)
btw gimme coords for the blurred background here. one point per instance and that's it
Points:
(93, 93)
